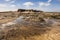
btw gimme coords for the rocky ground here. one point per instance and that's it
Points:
(34, 27)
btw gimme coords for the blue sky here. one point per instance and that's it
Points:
(45, 5)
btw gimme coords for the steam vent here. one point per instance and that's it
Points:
(29, 24)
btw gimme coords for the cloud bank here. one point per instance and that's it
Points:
(49, 1)
(7, 0)
(10, 5)
(27, 4)
(45, 3)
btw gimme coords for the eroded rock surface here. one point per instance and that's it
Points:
(31, 27)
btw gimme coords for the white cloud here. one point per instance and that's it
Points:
(47, 4)
(49, 1)
(44, 4)
(27, 4)
(12, 2)
(41, 3)
(12, 5)
(7, 0)
(3, 5)
(8, 7)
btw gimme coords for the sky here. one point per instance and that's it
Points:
(44, 5)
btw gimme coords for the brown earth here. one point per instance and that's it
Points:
(32, 30)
